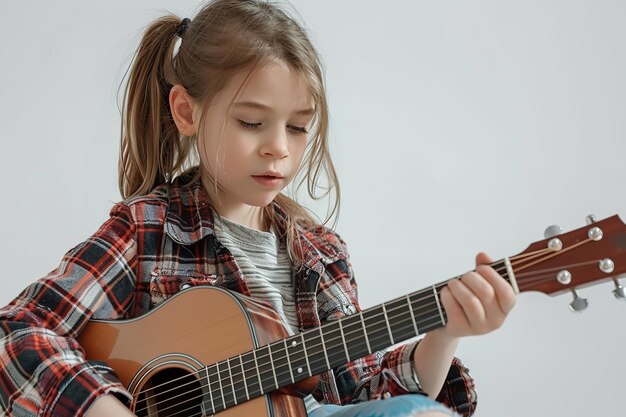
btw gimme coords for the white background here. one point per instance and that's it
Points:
(456, 127)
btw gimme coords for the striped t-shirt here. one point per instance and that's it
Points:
(266, 269)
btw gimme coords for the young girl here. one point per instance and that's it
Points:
(244, 93)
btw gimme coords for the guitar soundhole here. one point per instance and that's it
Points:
(171, 392)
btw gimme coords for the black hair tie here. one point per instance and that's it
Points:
(182, 27)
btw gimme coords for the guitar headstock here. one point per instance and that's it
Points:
(566, 261)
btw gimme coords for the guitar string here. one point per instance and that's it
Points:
(529, 255)
(527, 284)
(555, 268)
(557, 253)
(347, 334)
(229, 402)
(358, 329)
(429, 295)
(421, 315)
(418, 316)
(234, 391)
(532, 281)
(222, 399)
(405, 325)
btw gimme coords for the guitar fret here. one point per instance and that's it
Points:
(315, 350)
(215, 387)
(367, 339)
(258, 371)
(343, 339)
(289, 361)
(378, 332)
(243, 376)
(332, 339)
(219, 379)
(388, 325)
(250, 370)
(408, 299)
(208, 382)
(281, 363)
(324, 347)
(269, 350)
(267, 364)
(443, 321)
(400, 319)
(232, 384)
(237, 379)
(308, 365)
(352, 327)
(297, 358)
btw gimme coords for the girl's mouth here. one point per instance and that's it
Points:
(267, 180)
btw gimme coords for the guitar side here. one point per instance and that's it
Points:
(196, 327)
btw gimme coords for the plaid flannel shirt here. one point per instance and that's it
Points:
(149, 247)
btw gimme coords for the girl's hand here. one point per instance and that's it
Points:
(478, 302)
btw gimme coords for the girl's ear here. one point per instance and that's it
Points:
(182, 107)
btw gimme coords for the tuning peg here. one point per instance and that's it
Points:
(552, 231)
(590, 219)
(618, 292)
(579, 304)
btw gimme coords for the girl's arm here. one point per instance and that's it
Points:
(475, 304)
(432, 359)
(43, 369)
(383, 373)
(108, 406)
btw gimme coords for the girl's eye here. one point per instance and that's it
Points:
(247, 125)
(300, 129)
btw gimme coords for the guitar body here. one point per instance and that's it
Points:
(196, 327)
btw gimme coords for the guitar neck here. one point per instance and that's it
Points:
(334, 343)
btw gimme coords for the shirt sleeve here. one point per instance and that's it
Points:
(43, 370)
(391, 372)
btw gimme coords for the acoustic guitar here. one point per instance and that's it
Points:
(210, 351)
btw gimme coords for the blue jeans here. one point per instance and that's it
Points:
(399, 406)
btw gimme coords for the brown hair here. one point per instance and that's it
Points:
(225, 37)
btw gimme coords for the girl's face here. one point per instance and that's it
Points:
(265, 130)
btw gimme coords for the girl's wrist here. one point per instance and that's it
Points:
(442, 337)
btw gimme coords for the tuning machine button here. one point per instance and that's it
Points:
(606, 265)
(591, 219)
(555, 244)
(552, 231)
(564, 277)
(579, 304)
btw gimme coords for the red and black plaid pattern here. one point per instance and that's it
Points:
(149, 248)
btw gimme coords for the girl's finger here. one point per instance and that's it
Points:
(453, 308)
(503, 291)
(485, 292)
(469, 302)
(483, 258)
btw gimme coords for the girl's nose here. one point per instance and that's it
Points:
(276, 145)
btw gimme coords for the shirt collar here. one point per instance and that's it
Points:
(189, 219)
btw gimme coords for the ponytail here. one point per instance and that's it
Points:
(224, 38)
(151, 148)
